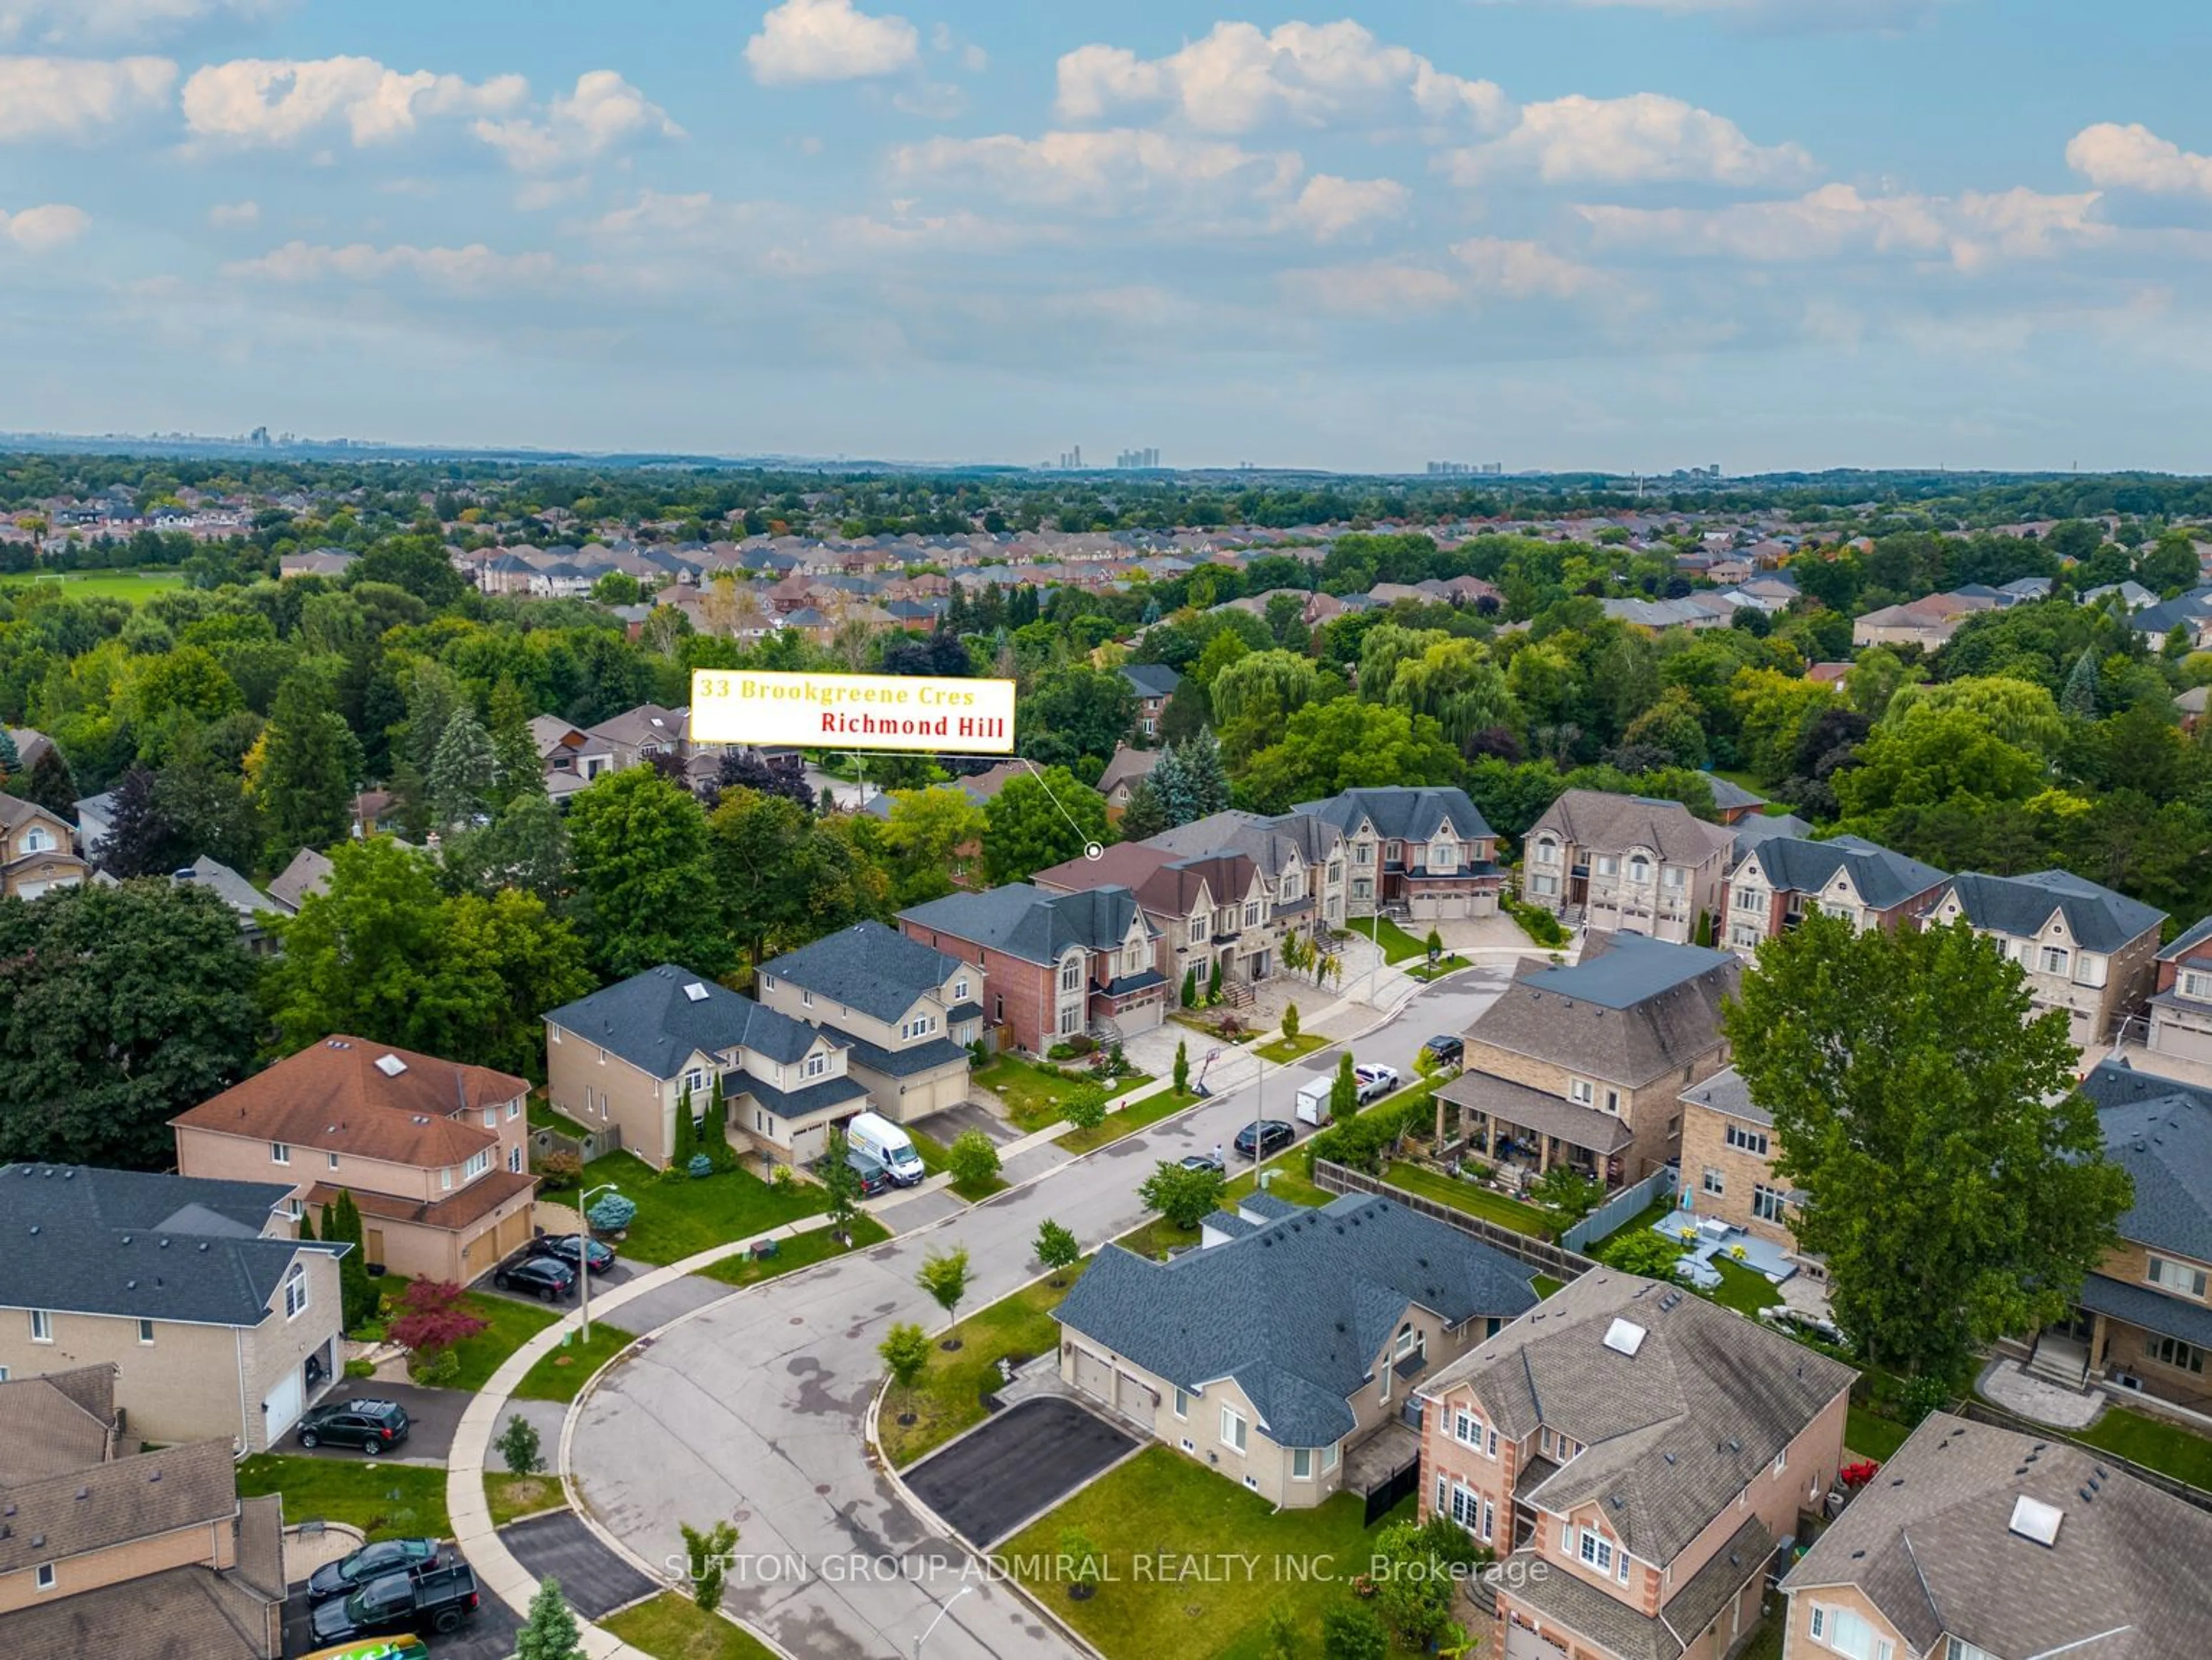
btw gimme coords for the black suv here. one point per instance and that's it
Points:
(374, 1426)
(1445, 1049)
(369, 1562)
(1263, 1136)
(568, 1247)
(547, 1277)
(442, 1596)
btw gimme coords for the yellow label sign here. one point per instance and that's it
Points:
(853, 711)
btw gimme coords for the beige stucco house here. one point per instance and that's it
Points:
(1625, 863)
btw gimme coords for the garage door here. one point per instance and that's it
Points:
(1093, 1376)
(1522, 1644)
(1143, 1017)
(1134, 1398)
(514, 1232)
(479, 1255)
(282, 1409)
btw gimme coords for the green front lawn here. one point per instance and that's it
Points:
(1397, 944)
(1033, 1095)
(1467, 1197)
(1284, 1050)
(800, 1251)
(513, 1496)
(1134, 1116)
(2153, 1443)
(1163, 1508)
(671, 1626)
(948, 1397)
(512, 1325)
(559, 1376)
(1872, 1435)
(1286, 1179)
(384, 1500)
(680, 1219)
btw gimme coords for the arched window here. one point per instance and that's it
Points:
(295, 1292)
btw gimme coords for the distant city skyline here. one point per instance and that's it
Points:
(1542, 234)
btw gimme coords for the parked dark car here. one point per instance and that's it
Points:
(567, 1247)
(374, 1426)
(370, 1562)
(439, 1596)
(874, 1179)
(1205, 1161)
(548, 1277)
(1264, 1136)
(1445, 1049)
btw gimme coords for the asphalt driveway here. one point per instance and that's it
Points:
(1017, 1466)
(593, 1578)
(942, 1127)
(433, 1416)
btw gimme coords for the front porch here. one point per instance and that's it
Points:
(1513, 1126)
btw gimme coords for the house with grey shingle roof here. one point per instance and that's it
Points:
(1635, 1455)
(1631, 864)
(905, 1012)
(1301, 854)
(1154, 683)
(2085, 949)
(1425, 853)
(621, 1060)
(1055, 965)
(2180, 1027)
(1979, 1540)
(1285, 1352)
(220, 1325)
(1781, 879)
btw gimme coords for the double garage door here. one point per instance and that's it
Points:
(1522, 1644)
(1097, 1377)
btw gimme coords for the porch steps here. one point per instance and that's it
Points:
(1236, 992)
(2065, 1365)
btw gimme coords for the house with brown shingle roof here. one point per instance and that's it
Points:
(37, 850)
(434, 1152)
(1630, 864)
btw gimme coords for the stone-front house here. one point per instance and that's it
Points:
(434, 1152)
(906, 1013)
(220, 1325)
(1634, 1454)
(122, 1555)
(1210, 909)
(1055, 965)
(621, 1059)
(2143, 1320)
(2085, 949)
(1428, 854)
(1778, 881)
(1586, 1065)
(2181, 1025)
(1285, 1352)
(37, 850)
(1625, 863)
(1302, 856)
(1976, 1542)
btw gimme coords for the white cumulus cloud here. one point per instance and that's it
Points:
(1523, 271)
(1644, 138)
(803, 40)
(225, 214)
(2133, 157)
(1238, 79)
(74, 97)
(43, 227)
(473, 267)
(1108, 168)
(276, 102)
(604, 111)
(113, 23)
(1329, 207)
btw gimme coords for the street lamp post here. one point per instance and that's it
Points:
(584, 1252)
(923, 1636)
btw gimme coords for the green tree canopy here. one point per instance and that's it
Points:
(1036, 822)
(644, 880)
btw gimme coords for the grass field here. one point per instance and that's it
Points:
(1134, 1116)
(2153, 1443)
(1162, 1507)
(512, 1497)
(560, 1375)
(949, 1396)
(802, 1250)
(679, 1219)
(670, 1626)
(1033, 1095)
(1467, 1197)
(1871, 1435)
(130, 585)
(1284, 1050)
(384, 1501)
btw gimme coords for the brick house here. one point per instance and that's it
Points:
(1586, 1065)
(1728, 1148)
(1055, 965)
(2085, 950)
(1301, 856)
(1343, 1309)
(220, 1325)
(2180, 1024)
(620, 1060)
(1978, 1541)
(1625, 863)
(37, 850)
(1426, 854)
(435, 1153)
(1154, 684)
(906, 1013)
(1634, 1454)
(1210, 909)
(125, 1554)
(1777, 881)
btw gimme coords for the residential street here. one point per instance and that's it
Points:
(753, 1407)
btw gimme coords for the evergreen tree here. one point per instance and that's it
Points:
(140, 839)
(310, 760)
(1213, 983)
(1170, 782)
(10, 760)
(307, 1226)
(1182, 1066)
(687, 1140)
(515, 765)
(1146, 815)
(2079, 700)
(549, 1632)
(1344, 1090)
(1190, 986)
(357, 1292)
(1208, 778)
(52, 784)
(463, 771)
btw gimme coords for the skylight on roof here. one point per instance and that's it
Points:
(390, 1065)
(695, 992)
(2034, 1519)
(1624, 1337)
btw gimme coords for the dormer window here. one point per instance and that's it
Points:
(2197, 984)
(1444, 855)
(38, 840)
(818, 1064)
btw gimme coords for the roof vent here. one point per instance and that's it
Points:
(390, 1065)
(1624, 1337)
(2034, 1519)
(34, 1228)
(695, 992)
(154, 1475)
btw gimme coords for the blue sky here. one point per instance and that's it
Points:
(1620, 234)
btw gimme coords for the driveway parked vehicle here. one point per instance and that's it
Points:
(1264, 1136)
(567, 1247)
(546, 1277)
(1375, 1082)
(370, 1562)
(375, 1427)
(441, 1598)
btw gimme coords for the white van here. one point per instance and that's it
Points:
(888, 1145)
(1313, 1101)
